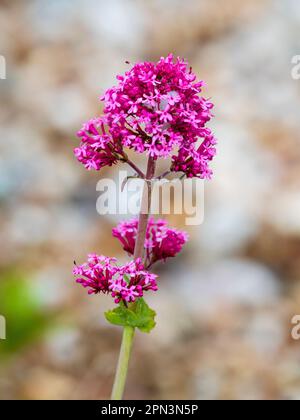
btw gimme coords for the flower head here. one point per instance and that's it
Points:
(124, 283)
(96, 273)
(194, 162)
(155, 108)
(161, 242)
(136, 280)
(97, 149)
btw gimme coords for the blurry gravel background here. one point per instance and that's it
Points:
(225, 305)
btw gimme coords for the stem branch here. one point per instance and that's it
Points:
(137, 170)
(145, 211)
(128, 333)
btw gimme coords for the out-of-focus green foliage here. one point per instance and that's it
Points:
(25, 319)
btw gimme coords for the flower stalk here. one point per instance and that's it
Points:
(145, 210)
(123, 363)
(128, 332)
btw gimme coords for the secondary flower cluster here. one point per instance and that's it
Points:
(96, 149)
(155, 109)
(161, 242)
(100, 274)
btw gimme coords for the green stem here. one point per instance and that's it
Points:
(121, 374)
(128, 333)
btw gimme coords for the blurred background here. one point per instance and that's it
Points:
(225, 306)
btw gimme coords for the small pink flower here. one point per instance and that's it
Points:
(96, 273)
(161, 241)
(124, 283)
(195, 162)
(96, 149)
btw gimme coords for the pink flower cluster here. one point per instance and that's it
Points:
(161, 242)
(155, 109)
(194, 162)
(125, 283)
(97, 148)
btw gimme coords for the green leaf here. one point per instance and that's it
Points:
(138, 315)
(126, 278)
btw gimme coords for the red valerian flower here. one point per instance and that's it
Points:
(97, 149)
(194, 162)
(161, 242)
(155, 108)
(125, 283)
